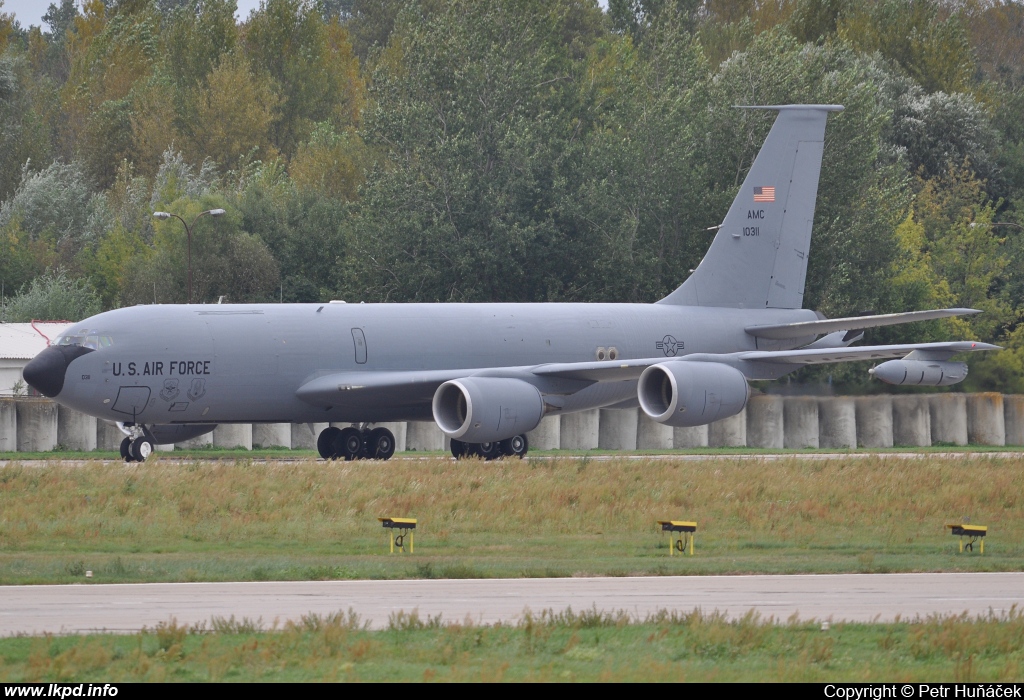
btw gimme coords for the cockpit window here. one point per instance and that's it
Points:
(86, 339)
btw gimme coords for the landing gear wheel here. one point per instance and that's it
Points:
(459, 449)
(380, 444)
(487, 450)
(126, 454)
(349, 444)
(140, 449)
(515, 446)
(325, 442)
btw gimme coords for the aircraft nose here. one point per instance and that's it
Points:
(45, 372)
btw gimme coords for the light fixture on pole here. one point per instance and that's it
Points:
(163, 216)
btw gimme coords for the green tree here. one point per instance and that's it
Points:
(471, 111)
(235, 114)
(331, 163)
(24, 136)
(634, 200)
(303, 227)
(196, 35)
(920, 36)
(57, 209)
(226, 261)
(312, 65)
(110, 55)
(54, 296)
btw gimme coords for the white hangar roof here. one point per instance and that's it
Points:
(23, 341)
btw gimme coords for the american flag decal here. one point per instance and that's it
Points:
(764, 194)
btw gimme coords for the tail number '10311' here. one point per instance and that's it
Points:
(751, 230)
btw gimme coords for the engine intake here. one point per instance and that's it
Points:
(486, 409)
(685, 394)
(920, 372)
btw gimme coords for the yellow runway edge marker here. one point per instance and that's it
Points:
(684, 526)
(973, 533)
(405, 526)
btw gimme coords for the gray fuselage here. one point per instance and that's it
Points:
(173, 364)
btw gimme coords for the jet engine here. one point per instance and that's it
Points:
(487, 409)
(684, 394)
(920, 372)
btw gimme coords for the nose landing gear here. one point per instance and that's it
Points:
(354, 443)
(138, 445)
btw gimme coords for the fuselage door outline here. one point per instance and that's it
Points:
(359, 341)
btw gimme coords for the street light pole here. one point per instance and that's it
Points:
(163, 216)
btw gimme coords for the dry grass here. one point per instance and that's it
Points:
(561, 516)
(566, 646)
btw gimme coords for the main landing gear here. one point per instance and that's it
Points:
(353, 443)
(137, 446)
(515, 446)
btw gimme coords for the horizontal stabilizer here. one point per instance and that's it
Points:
(807, 328)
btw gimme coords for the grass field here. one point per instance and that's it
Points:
(552, 647)
(563, 516)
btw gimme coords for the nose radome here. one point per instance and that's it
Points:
(46, 371)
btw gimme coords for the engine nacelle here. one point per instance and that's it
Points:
(920, 372)
(684, 394)
(486, 409)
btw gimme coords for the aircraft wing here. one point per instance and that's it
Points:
(416, 387)
(383, 388)
(815, 356)
(755, 363)
(377, 388)
(784, 331)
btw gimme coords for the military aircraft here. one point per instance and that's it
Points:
(488, 373)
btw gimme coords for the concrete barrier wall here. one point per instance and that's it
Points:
(683, 438)
(580, 430)
(800, 422)
(196, 443)
(837, 422)
(764, 422)
(1013, 419)
(874, 421)
(651, 435)
(729, 432)
(795, 422)
(617, 429)
(911, 421)
(75, 431)
(949, 419)
(8, 425)
(272, 435)
(108, 436)
(547, 435)
(985, 419)
(36, 425)
(304, 435)
(424, 436)
(233, 436)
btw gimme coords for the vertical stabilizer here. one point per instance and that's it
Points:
(759, 256)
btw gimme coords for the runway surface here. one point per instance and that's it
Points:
(851, 597)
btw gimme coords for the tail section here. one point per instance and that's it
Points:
(759, 256)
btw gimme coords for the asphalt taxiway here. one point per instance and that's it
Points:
(853, 597)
